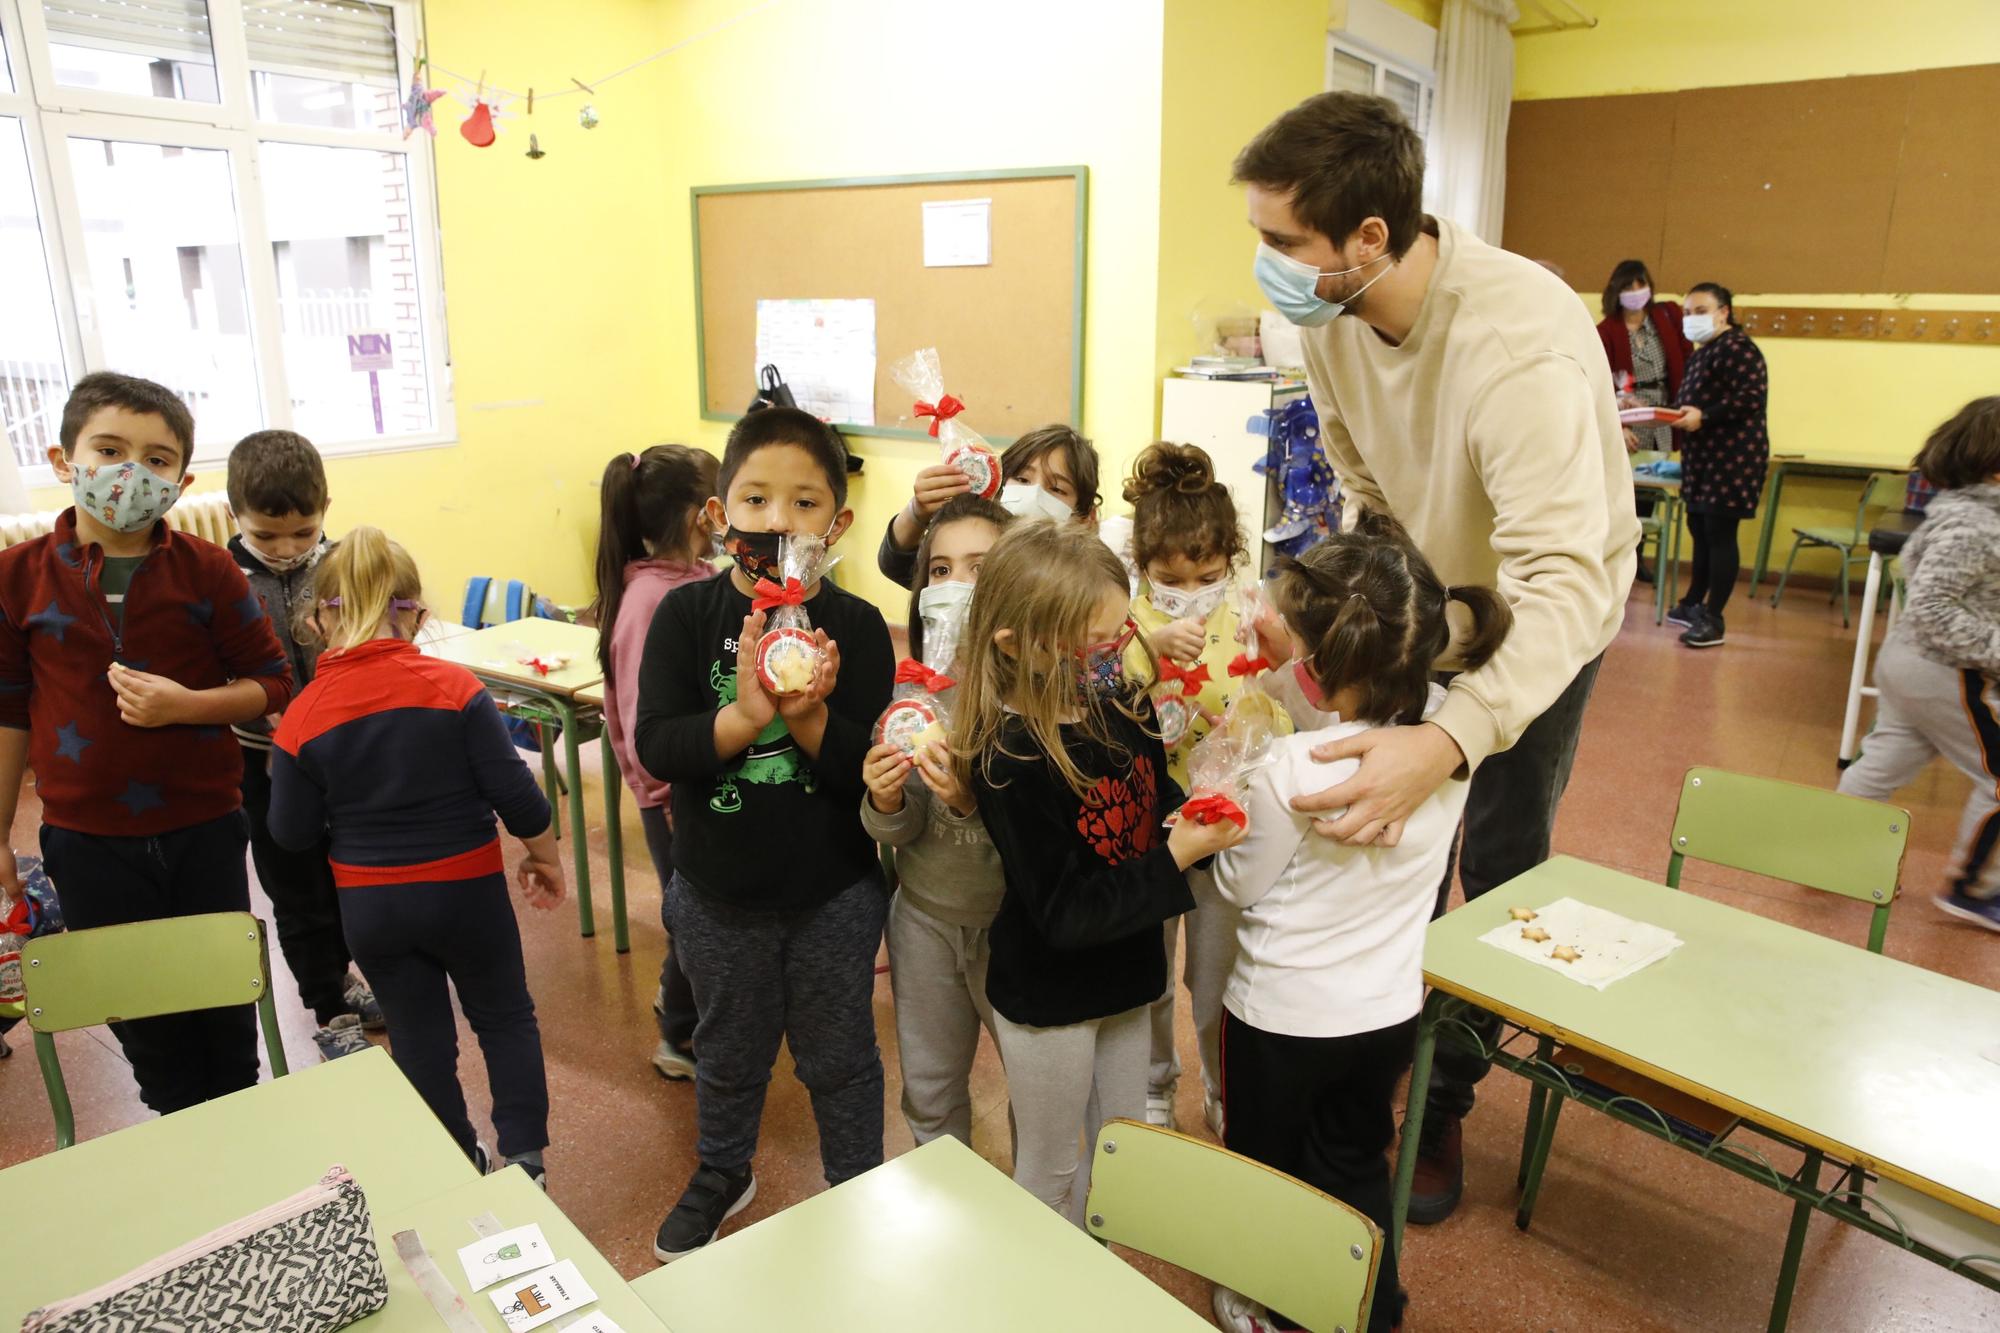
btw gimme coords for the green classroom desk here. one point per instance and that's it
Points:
(1667, 550)
(1857, 1057)
(1803, 465)
(444, 1223)
(102, 1208)
(934, 1239)
(493, 654)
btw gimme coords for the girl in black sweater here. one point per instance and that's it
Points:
(1065, 759)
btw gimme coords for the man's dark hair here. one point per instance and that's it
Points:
(1342, 158)
(107, 388)
(771, 426)
(276, 472)
(1965, 450)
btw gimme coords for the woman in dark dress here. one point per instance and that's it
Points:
(1724, 454)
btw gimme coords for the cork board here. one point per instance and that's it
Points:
(1620, 198)
(1008, 333)
(1788, 183)
(1941, 229)
(1865, 184)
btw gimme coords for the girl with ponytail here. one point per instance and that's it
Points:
(654, 537)
(1320, 1011)
(402, 764)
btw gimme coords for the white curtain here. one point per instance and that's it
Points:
(1467, 181)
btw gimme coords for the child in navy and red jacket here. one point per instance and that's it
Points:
(126, 652)
(403, 761)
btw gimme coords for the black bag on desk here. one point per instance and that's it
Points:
(772, 391)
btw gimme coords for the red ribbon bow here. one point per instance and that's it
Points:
(1246, 665)
(1191, 681)
(770, 595)
(943, 410)
(912, 672)
(1213, 808)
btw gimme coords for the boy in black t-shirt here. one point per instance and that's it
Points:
(777, 898)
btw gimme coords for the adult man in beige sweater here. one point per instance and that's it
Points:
(1467, 394)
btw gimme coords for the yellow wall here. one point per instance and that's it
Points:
(813, 89)
(1651, 46)
(570, 279)
(1228, 71)
(1849, 400)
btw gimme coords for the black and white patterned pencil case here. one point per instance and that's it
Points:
(307, 1264)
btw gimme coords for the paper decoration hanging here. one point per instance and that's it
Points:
(417, 106)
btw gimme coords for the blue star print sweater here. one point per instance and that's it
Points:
(189, 615)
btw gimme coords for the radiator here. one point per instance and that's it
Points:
(206, 516)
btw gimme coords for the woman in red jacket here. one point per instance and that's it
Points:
(1642, 338)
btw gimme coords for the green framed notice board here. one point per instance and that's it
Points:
(1009, 333)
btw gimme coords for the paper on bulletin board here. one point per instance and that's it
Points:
(826, 352)
(958, 233)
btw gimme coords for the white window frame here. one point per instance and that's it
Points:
(51, 114)
(1345, 43)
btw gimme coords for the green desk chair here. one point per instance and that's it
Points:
(1884, 489)
(1805, 835)
(1245, 1225)
(84, 978)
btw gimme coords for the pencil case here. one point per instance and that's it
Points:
(307, 1264)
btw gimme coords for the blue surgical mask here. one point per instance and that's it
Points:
(1292, 285)
(1698, 328)
(122, 496)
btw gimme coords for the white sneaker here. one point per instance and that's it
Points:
(1160, 1109)
(1240, 1314)
(673, 1062)
(1211, 1111)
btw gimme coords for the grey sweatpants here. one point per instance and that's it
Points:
(1211, 954)
(938, 973)
(1064, 1083)
(807, 978)
(1926, 709)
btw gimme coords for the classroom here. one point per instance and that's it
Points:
(1181, 708)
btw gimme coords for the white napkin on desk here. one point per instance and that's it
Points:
(1609, 947)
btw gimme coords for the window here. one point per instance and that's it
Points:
(217, 194)
(1354, 68)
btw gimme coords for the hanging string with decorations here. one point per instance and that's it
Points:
(488, 104)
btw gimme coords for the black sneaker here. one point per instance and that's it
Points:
(1682, 614)
(1706, 632)
(711, 1198)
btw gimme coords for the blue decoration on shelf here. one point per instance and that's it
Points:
(1307, 486)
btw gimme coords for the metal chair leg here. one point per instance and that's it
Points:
(1786, 577)
(1846, 602)
(1795, 1245)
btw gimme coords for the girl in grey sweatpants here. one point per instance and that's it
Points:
(1939, 664)
(949, 887)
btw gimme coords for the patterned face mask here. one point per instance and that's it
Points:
(1100, 668)
(122, 496)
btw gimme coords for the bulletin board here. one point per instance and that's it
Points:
(1877, 183)
(1009, 334)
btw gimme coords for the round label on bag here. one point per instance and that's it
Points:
(786, 660)
(1175, 714)
(980, 465)
(909, 725)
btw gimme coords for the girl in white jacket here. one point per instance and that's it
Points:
(1320, 1013)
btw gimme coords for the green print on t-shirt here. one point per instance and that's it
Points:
(772, 758)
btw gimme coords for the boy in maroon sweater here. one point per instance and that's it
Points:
(126, 651)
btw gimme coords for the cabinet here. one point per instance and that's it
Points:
(1215, 414)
